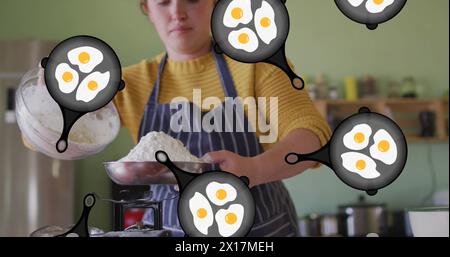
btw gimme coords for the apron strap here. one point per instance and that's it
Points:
(226, 80)
(153, 99)
(225, 76)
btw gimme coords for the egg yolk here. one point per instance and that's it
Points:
(84, 57)
(221, 194)
(360, 164)
(243, 38)
(265, 22)
(378, 1)
(67, 76)
(383, 146)
(237, 13)
(201, 213)
(92, 85)
(359, 137)
(230, 218)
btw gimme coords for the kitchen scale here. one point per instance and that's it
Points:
(129, 174)
(134, 174)
(81, 228)
(137, 174)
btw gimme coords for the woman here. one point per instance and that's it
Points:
(189, 63)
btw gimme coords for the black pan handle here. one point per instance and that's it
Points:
(121, 85)
(322, 155)
(44, 62)
(69, 117)
(183, 177)
(81, 228)
(217, 48)
(279, 59)
(245, 179)
(372, 26)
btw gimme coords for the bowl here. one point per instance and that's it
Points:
(429, 222)
(53, 231)
(40, 121)
(149, 172)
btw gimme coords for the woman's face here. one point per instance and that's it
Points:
(183, 25)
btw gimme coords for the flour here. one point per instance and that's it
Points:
(159, 141)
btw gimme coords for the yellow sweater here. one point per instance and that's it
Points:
(295, 108)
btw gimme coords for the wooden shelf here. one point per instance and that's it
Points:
(405, 112)
(417, 139)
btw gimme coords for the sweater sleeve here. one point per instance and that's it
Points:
(131, 101)
(295, 108)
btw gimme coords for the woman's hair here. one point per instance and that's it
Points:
(142, 3)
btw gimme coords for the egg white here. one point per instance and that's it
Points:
(251, 46)
(372, 7)
(225, 229)
(350, 159)
(388, 157)
(201, 224)
(267, 34)
(95, 58)
(355, 3)
(84, 93)
(212, 188)
(66, 87)
(247, 15)
(349, 140)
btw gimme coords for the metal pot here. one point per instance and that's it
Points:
(329, 225)
(309, 225)
(362, 219)
(315, 225)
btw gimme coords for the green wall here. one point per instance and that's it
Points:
(321, 40)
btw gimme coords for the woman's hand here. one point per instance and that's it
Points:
(270, 165)
(234, 163)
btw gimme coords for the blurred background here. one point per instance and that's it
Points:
(342, 61)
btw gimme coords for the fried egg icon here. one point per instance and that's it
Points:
(384, 147)
(265, 23)
(201, 212)
(93, 84)
(377, 6)
(360, 164)
(358, 137)
(67, 78)
(85, 57)
(229, 220)
(238, 11)
(220, 194)
(355, 3)
(244, 39)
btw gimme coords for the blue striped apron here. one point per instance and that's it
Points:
(275, 212)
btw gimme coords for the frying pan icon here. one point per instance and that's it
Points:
(332, 154)
(191, 185)
(360, 14)
(71, 108)
(273, 53)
